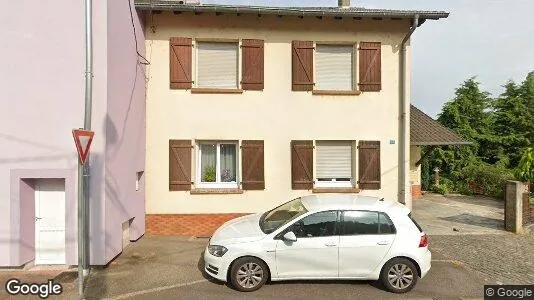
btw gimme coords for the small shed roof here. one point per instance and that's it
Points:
(426, 131)
(178, 5)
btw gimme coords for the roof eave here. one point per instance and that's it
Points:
(288, 11)
(439, 143)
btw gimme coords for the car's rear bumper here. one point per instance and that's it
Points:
(426, 261)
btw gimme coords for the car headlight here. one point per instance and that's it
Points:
(216, 250)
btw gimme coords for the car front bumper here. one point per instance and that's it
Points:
(216, 267)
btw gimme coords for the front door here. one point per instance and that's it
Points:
(50, 222)
(315, 253)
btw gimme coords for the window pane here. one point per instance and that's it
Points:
(360, 222)
(319, 224)
(334, 67)
(208, 162)
(228, 162)
(386, 226)
(217, 65)
(334, 160)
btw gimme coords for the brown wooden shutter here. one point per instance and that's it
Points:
(370, 67)
(302, 165)
(180, 62)
(252, 52)
(302, 65)
(252, 165)
(180, 165)
(369, 165)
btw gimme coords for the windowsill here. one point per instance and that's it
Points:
(215, 91)
(342, 190)
(336, 93)
(207, 191)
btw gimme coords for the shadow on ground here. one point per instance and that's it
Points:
(475, 220)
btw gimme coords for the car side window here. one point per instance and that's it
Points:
(385, 226)
(359, 222)
(316, 225)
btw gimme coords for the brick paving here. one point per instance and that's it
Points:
(500, 258)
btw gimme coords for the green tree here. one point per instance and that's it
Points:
(514, 120)
(469, 115)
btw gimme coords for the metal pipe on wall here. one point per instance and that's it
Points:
(402, 112)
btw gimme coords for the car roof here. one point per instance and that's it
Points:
(351, 202)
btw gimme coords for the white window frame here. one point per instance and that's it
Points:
(217, 184)
(334, 183)
(238, 62)
(354, 71)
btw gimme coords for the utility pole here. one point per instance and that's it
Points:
(83, 169)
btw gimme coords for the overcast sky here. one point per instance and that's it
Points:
(490, 39)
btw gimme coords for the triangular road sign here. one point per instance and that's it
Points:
(82, 139)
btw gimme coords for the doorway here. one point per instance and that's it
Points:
(50, 222)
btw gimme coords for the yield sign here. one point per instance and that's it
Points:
(82, 139)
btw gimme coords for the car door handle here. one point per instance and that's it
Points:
(383, 243)
(330, 245)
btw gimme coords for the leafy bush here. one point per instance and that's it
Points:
(440, 189)
(525, 170)
(487, 179)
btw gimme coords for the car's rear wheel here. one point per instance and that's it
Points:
(399, 275)
(248, 274)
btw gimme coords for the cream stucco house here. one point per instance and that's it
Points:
(249, 107)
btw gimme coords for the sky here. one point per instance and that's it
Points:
(490, 39)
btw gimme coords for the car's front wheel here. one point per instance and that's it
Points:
(399, 275)
(248, 274)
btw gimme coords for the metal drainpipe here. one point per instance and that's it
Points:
(402, 109)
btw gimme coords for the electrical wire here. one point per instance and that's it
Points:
(144, 60)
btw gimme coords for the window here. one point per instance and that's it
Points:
(385, 226)
(316, 225)
(283, 214)
(217, 65)
(334, 164)
(360, 222)
(366, 222)
(334, 67)
(217, 164)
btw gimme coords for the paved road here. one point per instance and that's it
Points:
(478, 253)
(168, 268)
(459, 215)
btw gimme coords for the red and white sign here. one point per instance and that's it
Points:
(82, 139)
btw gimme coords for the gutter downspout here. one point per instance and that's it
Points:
(402, 110)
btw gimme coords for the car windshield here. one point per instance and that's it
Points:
(277, 217)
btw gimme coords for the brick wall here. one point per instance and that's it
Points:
(416, 191)
(199, 225)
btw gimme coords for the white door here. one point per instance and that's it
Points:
(315, 253)
(50, 222)
(366, 238)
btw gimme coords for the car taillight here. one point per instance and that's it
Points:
(424, 241)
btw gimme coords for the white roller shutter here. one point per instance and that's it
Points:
(334, 159)
(217, 65)
(334, 67)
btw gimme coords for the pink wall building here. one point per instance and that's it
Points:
(42, 95)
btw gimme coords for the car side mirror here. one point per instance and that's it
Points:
(290, 237)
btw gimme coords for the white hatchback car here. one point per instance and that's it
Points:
(321, 237)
